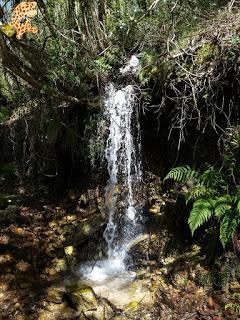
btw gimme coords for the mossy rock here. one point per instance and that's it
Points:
(84, 298)
(132, 307)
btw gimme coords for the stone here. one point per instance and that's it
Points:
(132, 306)
(60, 264)
(69, 250)
(23, 266)
(5, 258)
(71, 218)
(52, 272)
(84, 298)
(104, 311)
(154, 209)
(55, 295)
(86, 228)
(53, 225)
(16, 230)
(234, 287)
(4, 239)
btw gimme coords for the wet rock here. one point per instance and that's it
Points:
(138, 240)
(155, 210)
(5, 259)
(60, 265)
(55, 295)
(23, 266)
(52, 272)
(103, 311)
(234, 287)
(83, 298)
(70, 253)
(87, 228)
(53, 225)
(71, 218)
(55, 311)
(69, 250)
(132, 306)
(4, 239)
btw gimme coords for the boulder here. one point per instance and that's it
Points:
(55, 295)
(83, 297)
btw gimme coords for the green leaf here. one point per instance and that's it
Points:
(223, 204)
(181, 174)
(228, 226)
(202, 211)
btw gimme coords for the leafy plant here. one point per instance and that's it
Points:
(211, 199)
(234, 306)
(4, 113)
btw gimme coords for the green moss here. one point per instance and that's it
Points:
(206, 52)
(153, 67)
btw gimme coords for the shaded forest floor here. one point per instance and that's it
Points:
(43, 238)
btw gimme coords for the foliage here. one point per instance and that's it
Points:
(4, 113)
(234, 306)
(8, 169)
(211, 197)
(3, 201)
(95, 133)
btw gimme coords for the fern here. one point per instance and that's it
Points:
(199, 191)
(223, 204)
(233, 306)
(202, 211)
(228, 226)
(181, 174)
(236, 200)
(236, 295)
(209, 191)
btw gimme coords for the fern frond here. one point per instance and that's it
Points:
(211, 178)
(236, 295)
(202, 211)
(228, 226)
(238, 207)
(236, 199)
(223, 204)
(181, 174)
(199, 191)
(233, 306)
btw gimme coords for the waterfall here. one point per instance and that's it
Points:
(123, 189)
(124, 167)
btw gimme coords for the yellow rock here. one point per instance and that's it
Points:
(55, 295)
(71, 218)
(132, 306)
(23, 266)
(84, 299)
(60, 264)
(52, 225)
(52, 272)
(154, 210)
(69, 250)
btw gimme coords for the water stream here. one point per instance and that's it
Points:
(123, 189)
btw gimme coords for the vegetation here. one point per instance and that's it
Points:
(53, 132)
(214, 192)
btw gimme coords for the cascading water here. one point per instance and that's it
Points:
(124, 169)
(125, 176)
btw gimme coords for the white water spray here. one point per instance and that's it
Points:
(125, 176)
